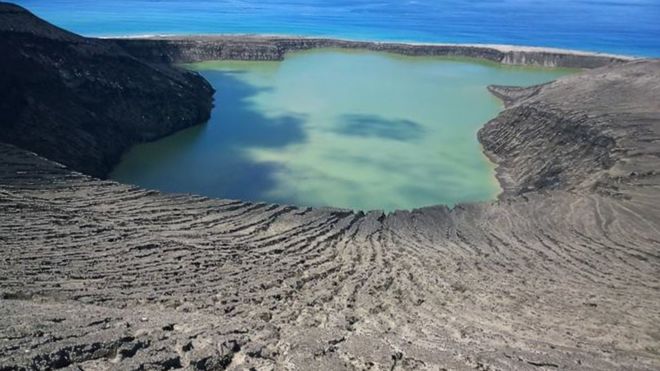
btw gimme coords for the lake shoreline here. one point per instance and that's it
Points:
(201, 48)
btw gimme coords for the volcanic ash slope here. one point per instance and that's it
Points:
(563, 272)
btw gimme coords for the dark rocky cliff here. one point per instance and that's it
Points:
(82, 101)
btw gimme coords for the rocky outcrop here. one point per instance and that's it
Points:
(590, 140)
(83, 102)
(562, 272)
(187, 49)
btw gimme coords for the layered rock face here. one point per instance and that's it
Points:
(84, 101)
(563, 272)
(187, 49)
(598, 139)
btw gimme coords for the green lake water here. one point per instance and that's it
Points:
(351, 129)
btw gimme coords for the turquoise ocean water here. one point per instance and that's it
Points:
(616, 26)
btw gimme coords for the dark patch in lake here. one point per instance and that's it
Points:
(375, 126)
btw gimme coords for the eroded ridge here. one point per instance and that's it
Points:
(198, 48)
(561, 273)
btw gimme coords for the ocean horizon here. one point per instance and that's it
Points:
(616, 27)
